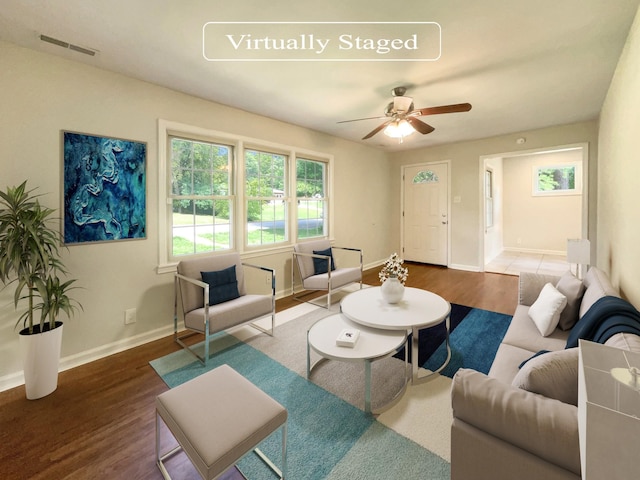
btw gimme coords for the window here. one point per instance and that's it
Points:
(426, 176)
(564, 179)
(225, 192)
(488, 197)
(311, 198)
(266, 205)
(200, 196)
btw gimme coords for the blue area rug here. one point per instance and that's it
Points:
(327, 438)
(474, 338)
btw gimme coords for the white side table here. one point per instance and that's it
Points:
(373, 344)
(608, 412)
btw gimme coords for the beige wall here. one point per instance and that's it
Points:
(40, 95)
(618, 250)
(465, 219)
(538, 223)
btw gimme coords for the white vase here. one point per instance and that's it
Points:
(392, 290)
(40, 360)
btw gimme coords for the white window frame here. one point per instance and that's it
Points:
(286, 197)
(166, 128)
(577, 190)
(489, 197)
(324, 199)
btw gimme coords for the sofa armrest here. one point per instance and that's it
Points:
(541, 426)
(530, 285)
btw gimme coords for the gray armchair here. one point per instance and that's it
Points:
(210, 295)
(314, 268)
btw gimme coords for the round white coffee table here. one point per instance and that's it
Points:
(418, 309)
(372, 344)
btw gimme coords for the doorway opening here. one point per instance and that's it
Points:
(532, 202)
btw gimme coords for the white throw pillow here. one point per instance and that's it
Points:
(545, 311)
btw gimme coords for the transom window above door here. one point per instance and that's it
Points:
(426, 176)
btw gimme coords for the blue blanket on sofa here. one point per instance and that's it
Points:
(606, 317)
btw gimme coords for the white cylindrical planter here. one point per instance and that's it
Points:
(392, 290)
(40, 360)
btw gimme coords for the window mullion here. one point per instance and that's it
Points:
(240, 203)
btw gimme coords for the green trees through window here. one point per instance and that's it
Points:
(311, 197)
(264, 192)
(562, 178)
(200, 196)
(206, 204)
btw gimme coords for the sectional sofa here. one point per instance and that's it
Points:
(521, 420)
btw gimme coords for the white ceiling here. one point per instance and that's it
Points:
(521, 64)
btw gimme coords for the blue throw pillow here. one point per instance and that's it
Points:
(320, 264)
(223, 285)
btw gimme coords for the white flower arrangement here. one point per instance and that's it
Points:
(393, 268)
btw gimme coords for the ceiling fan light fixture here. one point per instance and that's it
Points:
(399, 129)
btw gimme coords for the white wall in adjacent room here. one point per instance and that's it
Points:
(539, 223)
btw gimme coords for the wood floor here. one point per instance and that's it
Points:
(100, 422)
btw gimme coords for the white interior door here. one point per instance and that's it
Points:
(426, 213)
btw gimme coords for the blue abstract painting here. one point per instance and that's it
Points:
(104, 189)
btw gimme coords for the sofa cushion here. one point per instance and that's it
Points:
(552, 374)
(230, 314)
(597, 286)
(505, 364)
(524, 334)
(545, 311)
(530, 285)
(572, 288)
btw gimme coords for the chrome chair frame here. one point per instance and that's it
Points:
(295, 266)
(179, 338)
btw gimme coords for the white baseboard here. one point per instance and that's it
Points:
(535, 251)
(16, 379)
(466, 268)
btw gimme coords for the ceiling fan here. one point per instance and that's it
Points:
(403, 117)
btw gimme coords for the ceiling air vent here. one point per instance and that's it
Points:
(70, 46)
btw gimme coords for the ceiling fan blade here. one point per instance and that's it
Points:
(376, 130)
(358, 119)
(458, 107)
(419, 125)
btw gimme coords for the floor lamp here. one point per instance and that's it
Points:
(579, 252)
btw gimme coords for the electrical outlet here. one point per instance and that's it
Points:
(267, 280)
(130, 316)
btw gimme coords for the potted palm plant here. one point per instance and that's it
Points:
(29, 259)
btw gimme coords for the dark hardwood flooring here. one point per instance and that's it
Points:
(100, 422)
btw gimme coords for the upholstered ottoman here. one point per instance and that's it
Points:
(217, 418)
